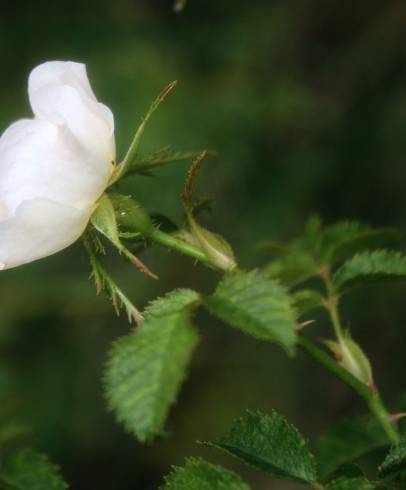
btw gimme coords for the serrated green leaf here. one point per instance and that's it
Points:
(347, 441)
(26, 469)
(346, 238)
(306, 300)
(368, 267)
(293, 268)
(304, 257)
(174, 302)
(351, 484)
(256, 305)
(395, 460)
(298, 263)
(270, 444)
(145, 369)
(201, 475)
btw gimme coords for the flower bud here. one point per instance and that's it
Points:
(130, 215)
(350, 355)
(214, 246)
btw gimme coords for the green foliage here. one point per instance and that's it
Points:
(368, 267)
(305, 300)
(256, 305)
(129, 163)
(346, 238)
(104, 282)
(293, 268)
(105, 222)
(201, 475)
(305, 257)
(395, 460)
(159, 158)
(348, 470)
(146, 368)
(347, 441)
(351, 484)
(176, 301)
(269, 443)
(26, 469)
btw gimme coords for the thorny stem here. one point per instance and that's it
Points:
(369, 394)
(371, 397)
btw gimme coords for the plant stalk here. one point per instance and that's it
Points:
(371, 397)
(369, 393)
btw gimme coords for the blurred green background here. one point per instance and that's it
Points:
(305, 102)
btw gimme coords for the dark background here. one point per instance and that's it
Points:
(305, 102)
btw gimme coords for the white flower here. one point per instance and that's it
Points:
(54, 167)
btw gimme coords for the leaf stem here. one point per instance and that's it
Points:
(371, 396)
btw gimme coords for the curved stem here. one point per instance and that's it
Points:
(371, 397)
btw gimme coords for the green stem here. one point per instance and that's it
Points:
(332, 302)
(370, 394)
(371, 397)
(174, 243)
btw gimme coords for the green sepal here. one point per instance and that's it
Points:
(130, 158)
(105, 222)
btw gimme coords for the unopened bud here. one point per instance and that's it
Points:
(350, 356)
(130, 215)
(213, 245)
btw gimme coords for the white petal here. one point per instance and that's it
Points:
(40, 159)
(39, 228)
(60, 92)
